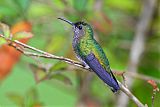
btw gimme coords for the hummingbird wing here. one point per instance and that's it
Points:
(107, 77)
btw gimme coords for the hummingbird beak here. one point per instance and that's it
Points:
(71, 23)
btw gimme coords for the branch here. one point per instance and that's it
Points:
(142, 77)
(130, 95)
(136, 75)
(39, 53)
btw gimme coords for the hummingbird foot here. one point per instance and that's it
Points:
(85, 65)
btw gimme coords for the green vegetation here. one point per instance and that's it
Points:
(114, 23)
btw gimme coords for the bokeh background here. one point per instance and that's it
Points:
(115, 22)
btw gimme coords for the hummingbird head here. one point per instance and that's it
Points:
(80, 28)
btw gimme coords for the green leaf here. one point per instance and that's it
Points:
(2, 41)
(38, 72)
(21, 35)
(32, 98)
(4, 30)
(61, 78)
(58, 66)
(17, 99)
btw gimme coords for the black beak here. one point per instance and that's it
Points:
(71, 23)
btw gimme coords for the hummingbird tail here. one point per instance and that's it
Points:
(113, 90)
(107, 77)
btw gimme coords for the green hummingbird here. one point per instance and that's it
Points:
(90, 53)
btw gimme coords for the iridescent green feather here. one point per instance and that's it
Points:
(91, 54)
(88, 44)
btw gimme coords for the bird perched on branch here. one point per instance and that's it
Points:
(90, 53)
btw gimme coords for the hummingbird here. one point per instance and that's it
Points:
(90, 53)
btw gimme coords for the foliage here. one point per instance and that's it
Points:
(114, 23)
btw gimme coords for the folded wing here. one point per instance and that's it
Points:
(107, 77)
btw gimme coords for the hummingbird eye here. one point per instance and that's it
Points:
(80, 27)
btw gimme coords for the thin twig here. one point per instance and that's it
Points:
(142, 77)
(135, 75)
(43, 54)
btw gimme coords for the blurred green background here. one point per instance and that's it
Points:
(114, 23)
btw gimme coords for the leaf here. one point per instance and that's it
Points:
(7, 60)
(62, 78)
(4, 30)
(21, 31)
(153, 84)
(37, 105)
(21, 26)
(39, 73)
(17, 99)
(33, 94)
(31, 98)
(58, 66)
(21, 36)
(2, 41)
(8, 55)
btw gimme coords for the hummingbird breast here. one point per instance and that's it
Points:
(75, 43)
(77, 50)
(75, 46)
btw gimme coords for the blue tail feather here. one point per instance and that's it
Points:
(107, 77)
